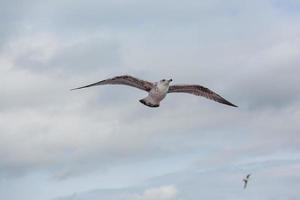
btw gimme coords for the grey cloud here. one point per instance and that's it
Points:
(271, 179)
(247, 52)
(15, 18)
(47, 53)
(271, 81)
(94, 14)
(60, 103)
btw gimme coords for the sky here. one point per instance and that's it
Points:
(101, 143)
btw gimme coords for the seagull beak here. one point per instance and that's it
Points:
(170, 80)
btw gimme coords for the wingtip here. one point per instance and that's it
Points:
(230, 104)
(78, 88)
(234, 106)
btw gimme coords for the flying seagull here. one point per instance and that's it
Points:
(246, 180)
(157, 91)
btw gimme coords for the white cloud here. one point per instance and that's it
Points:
(161, 193)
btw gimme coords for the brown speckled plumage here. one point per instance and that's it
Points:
(158, 91)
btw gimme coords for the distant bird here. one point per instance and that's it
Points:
(246, 180)
(157, 91)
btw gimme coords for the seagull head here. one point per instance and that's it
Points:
(165, 81)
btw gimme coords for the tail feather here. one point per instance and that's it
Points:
(147, 102)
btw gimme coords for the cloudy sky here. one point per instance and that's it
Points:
(101, 143)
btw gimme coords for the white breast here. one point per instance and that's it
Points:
(159, 92)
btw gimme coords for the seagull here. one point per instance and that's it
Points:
(157, 91)
(246, 180)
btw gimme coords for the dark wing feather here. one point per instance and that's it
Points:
(123, 80)
(245, 183)
(199, 91)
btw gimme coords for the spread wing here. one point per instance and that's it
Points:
(123, 80)
(199, 91)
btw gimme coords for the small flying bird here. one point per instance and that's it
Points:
(157, 91)
(246, 180)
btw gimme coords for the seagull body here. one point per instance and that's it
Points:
(246, 180)
(157, 91)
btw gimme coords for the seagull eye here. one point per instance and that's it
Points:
(164, 80)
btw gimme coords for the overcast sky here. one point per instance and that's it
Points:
(101, 143)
